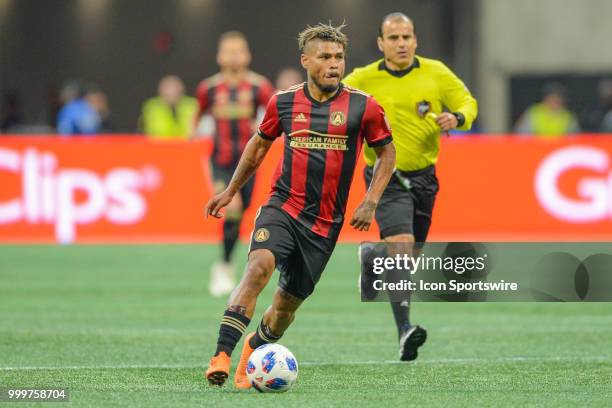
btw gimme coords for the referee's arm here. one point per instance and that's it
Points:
(458, 99)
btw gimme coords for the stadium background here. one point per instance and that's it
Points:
(133, 324)
(505, 53)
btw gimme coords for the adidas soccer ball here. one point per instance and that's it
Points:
(272, 368)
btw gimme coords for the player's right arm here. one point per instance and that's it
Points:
(254, 153)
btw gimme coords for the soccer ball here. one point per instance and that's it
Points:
(272, 368)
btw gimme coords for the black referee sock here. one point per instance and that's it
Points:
(233, 325)
(231, 232)
(263, 335)
(401, 313)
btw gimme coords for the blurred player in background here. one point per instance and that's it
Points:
(232, 97)
(413, 90)
(170, 115)
(325, 125)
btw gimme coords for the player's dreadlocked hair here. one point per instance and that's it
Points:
(324, 32)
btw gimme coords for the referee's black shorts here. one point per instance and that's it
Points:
(300, 254)
(407, 204)
(222, 175)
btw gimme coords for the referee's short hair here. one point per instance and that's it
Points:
(393, 16)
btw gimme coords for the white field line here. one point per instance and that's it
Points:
(320, 363)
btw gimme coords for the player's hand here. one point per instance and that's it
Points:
(363, 215)
(446, 121)
(216, 203)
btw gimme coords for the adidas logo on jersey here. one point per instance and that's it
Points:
(300, 117)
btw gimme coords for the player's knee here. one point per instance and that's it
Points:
(400, 244)
(256, 275)
(259, 270)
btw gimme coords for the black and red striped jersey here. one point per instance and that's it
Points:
(234, 108)
(322, 143)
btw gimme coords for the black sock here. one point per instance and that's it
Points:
(263, 335)
(401, 310)
(401, 313)
(232, 327)
(231, 232)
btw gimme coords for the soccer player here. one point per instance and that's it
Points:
(413, 91)
(325, 124)
(232, 97)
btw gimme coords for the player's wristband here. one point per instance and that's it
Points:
(460, 118)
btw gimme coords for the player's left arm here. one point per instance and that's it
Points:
(203, 104)
(458, 99)
(378, 136)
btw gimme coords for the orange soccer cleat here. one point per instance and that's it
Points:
(240, 377)
(218, 369)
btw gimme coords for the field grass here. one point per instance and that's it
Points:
(134, 326)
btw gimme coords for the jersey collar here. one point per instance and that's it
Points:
(313, 100)
(415, 64)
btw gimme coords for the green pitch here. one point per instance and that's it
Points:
(134, 325)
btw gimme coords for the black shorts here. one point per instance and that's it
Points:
(222, 176)
(300, 254)
(406, 209)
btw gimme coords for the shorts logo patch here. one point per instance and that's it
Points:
(337, 118)
(262, 235)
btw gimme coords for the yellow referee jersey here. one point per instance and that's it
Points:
(407, 96)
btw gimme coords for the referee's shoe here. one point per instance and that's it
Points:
(410, 341)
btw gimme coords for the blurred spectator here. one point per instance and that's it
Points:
(606, 123)
(85, 115)
(70, 91)
(592, 117)
(605, 95)
(287, 77)
(57, 98)
(10, 112)
(550, 117)
(171, 114)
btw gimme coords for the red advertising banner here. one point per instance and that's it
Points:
(129, 189)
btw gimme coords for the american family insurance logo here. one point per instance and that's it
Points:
(592, 201)
(69, 197)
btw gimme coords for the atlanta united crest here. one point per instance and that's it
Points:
(337, 118)
(262, 235)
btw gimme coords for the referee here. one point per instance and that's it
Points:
(422, 98)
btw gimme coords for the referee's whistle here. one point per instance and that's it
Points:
(433, 116)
